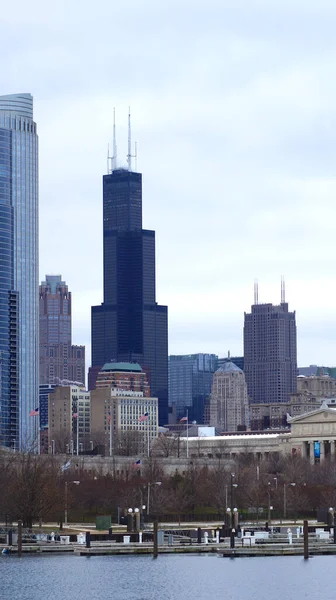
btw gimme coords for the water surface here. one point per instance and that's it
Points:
(177, 577)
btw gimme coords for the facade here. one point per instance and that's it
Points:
(313, 434)
(129, 325)
(44, 390)
(319, 386)
(59, 359)
(274, 414)
(190, 380)
(270, 361)
(66, 431)
(121, 410)
(19, 271)
(123, 376)
(229, 407)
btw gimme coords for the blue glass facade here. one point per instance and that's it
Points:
(190, 381)
(19, 220)
(130, 325)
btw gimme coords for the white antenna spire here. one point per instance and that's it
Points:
(256, 291)
(129, 152)
(114, 158)
(283, 290)
(136, 156)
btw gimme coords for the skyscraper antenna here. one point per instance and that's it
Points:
(136, 156)
(129, 153)
(114, 158)
(256, 291)
(283, 290)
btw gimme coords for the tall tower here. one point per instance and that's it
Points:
(129, 325)
(19, 269)
(270, 357)
(59, 360)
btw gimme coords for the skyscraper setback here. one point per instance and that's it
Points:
(270, 359)
(19, 270)
(59, 359)
(129, 325)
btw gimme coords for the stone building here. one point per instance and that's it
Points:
(229, 410)
(321, 386)
(68, 420)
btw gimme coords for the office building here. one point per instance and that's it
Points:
(236, 360)
(60, 361)
(124, 411)
(190, 381)
(270, 363)
(229, 407)
(321, 386)
(123, 376)
(69, 420)
(129, 326)
(19, 271)
(44, 390)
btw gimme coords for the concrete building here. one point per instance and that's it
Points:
(319, 386)
(229, 408)
(59, 359)
(189, 383)
(123, 376)
(69, 420)
(313, 434)
(117, 424)
(270, 362)
(19, 271)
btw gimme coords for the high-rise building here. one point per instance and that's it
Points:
(19, 271)
(229, 407)
(190, 381)
(129, 325)
(270, 362)
(69, 420)
(60, 361)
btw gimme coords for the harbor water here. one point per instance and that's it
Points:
(170, 577)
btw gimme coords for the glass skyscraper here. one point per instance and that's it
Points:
(130, 325)
(190, 382)
(18, 270)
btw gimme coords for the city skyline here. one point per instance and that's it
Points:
(241, 123)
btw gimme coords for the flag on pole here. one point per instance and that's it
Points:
(66, 466)
(137, 463)
(183, 419)
(75, 415)
(143, 418)
(34, 412)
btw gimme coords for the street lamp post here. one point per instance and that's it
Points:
(148, 492)
(233, 485)
(66, 500)
(285, 498)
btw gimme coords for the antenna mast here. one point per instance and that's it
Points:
(129, 152)
(283, 290)
(112, 160)
(256, 291)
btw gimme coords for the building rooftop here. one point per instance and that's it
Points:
(122, 366)
(229, 367)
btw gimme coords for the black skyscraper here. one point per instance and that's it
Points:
(130, 325)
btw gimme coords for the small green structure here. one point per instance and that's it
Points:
(104, 522)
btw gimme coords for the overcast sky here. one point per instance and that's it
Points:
(234, 111)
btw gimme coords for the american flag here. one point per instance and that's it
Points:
(75, 415)
(183, 419)
(137, 463)
(34, 412)
(143, 418)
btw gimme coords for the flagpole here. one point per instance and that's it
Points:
(110, 434)
(187, 434)
(77, 431)
(148, 437)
